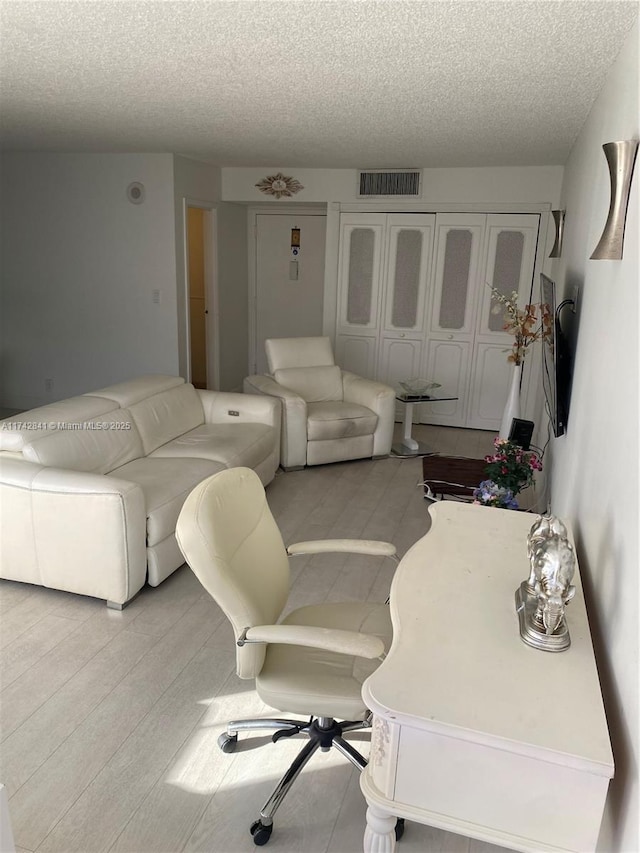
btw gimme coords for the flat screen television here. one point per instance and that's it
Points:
(557, 359)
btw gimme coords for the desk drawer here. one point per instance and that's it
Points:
(475, 784)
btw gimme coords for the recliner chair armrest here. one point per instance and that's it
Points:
(328, 639)
(366, 392)
(372, 547)
(378, 397)
(293, 433)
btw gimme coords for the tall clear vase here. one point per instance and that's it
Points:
(512, 406)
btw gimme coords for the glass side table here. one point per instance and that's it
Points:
(409, 446)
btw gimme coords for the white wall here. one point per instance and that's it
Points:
(596, 464)
(79, 265)
(509, 184)
(233, 294)
(199, 183)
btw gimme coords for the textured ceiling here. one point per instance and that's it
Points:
(340, 84)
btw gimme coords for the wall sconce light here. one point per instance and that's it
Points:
(558, 218)
(621, 157)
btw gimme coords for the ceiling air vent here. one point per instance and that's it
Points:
(397, 182)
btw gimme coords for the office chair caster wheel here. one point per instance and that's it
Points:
(261, 833)
(399, 828)
(227, 743)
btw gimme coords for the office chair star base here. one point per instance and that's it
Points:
(323, 733)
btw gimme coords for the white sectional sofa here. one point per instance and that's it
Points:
(91, 487)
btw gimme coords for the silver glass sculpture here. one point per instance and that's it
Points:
(542, 598)
(621, 157)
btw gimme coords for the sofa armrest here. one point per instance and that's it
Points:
(293, 435)
(246, 408)
(72, 530)
(378, 397)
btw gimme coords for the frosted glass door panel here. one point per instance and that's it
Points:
(455, 279)
(489, 386)
(458, 247)
(448, 364)
(409, 243)
(406, 279)
(360, 280)
(506, 271)
(357, 354)
(360, 270)
(510, 259)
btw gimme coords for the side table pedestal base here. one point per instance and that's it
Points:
(402, 449)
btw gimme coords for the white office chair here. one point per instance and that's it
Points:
(328, 414)
(313, 661)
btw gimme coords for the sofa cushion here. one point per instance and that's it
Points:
(233, 444)
(166, 483)
(167, 415)
(339, 420)
(98, 445)
(132, 391)
(313, 384)
(73, 410)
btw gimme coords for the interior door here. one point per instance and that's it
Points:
(452, 316)
(197, 301)
(510, 254)
(359, 282)
(289, 285)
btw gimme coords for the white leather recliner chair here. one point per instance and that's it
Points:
(314, 661)
(328, 414)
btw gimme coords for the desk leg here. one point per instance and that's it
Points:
(380, 834)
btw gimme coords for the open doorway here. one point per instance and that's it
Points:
(201, 297)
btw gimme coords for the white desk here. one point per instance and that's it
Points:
(474, 731)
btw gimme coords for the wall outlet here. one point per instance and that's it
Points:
(156, 297)
(48, 384)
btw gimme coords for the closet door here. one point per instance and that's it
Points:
(408, 249)
(451, 327)
(509, 261)
(409, 240)
(359, 284)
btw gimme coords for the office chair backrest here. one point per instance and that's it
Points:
(230, 540)
(298, 352)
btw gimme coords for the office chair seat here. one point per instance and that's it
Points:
(303, 680)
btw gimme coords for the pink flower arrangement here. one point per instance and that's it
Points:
(511, 467)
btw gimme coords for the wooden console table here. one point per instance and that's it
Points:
(452, 475)
(475, 732)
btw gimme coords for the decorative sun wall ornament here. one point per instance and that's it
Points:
(279, 185)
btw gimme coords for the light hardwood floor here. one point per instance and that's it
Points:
(110, 720)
